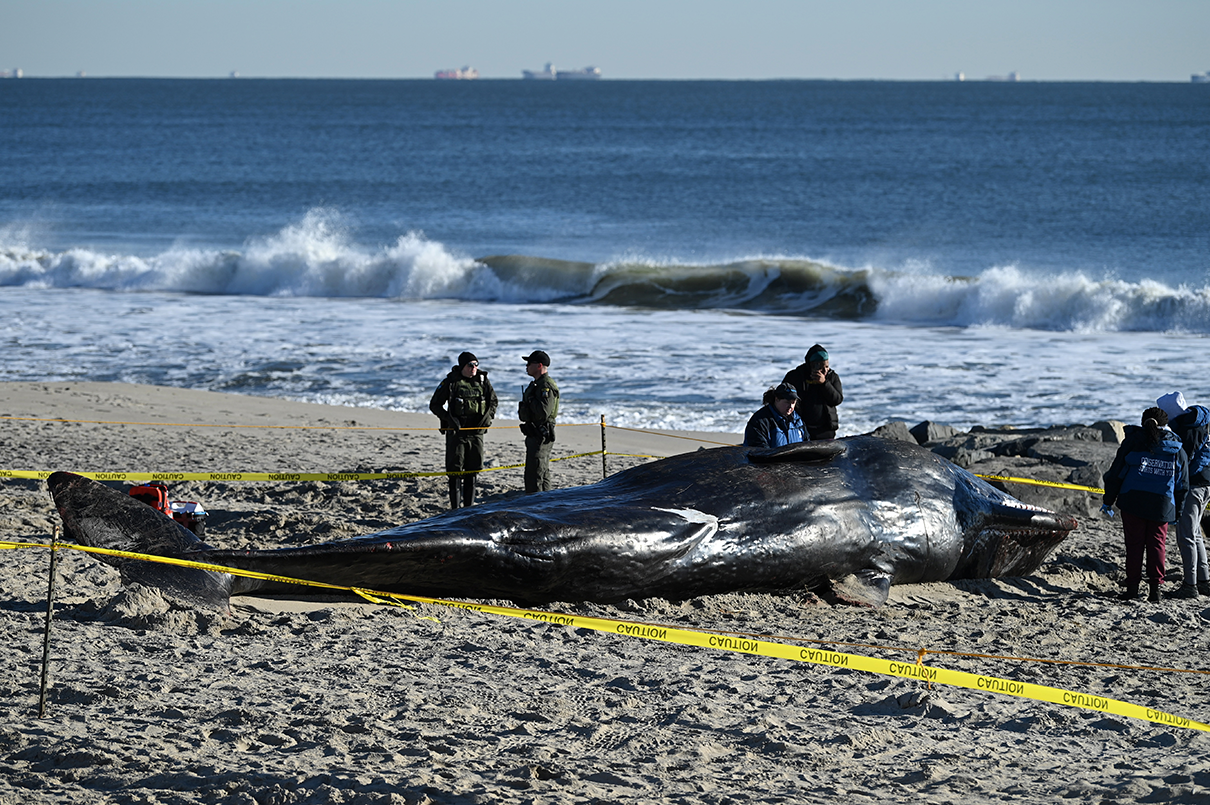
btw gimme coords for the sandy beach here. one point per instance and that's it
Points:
(335, 700)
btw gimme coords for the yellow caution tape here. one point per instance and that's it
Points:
(1055, 484)
(41, 475)
(723, 642)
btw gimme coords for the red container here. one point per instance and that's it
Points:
(154, 494)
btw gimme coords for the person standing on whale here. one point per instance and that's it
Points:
(537, 411)
(465, 402)
(819, 392)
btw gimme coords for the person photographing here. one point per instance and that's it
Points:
(819, 392)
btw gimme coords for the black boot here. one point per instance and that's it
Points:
(1131, 592)
(468, 490)
(1153, 594)
(455, 492)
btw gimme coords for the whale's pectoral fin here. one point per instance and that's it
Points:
(868, 588)
(802, 451)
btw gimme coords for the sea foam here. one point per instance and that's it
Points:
(318, 257)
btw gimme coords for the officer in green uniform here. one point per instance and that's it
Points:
(538, 408)
(466, 404)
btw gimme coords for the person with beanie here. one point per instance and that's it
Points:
(1147, 481)
(465, 402)
(819, 392)
(1191, 424)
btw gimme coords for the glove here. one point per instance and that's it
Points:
(450, 425)
(548, 434)
(528, 429)
(1106, 510)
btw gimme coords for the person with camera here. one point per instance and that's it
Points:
(465, 402)
(819, 392)
(537, 411)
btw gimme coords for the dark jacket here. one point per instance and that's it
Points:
(538, 408)
(768, 428)
(471, 401)
(817, 401)
(1193, 428)
(1148, 481)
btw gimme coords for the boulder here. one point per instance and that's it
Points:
(894, 430)
(928, 432)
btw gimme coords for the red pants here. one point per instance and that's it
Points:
(1144, 536)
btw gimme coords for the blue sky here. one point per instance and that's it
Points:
(1059, 40)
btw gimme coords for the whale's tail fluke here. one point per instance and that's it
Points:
(99, 517)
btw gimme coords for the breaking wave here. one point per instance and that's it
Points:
(317, 258)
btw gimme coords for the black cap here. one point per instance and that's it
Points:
(537, 356)
(786, 392)
(465, 358)
(816, 354)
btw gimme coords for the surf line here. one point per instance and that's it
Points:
(688, 637)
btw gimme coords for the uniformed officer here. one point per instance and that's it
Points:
(466, 405)
(537, 411)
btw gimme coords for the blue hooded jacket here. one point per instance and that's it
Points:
(768, 428)
(1193, 428)
(1148, 481)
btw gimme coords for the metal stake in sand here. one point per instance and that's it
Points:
(604, 469)
(50, 612)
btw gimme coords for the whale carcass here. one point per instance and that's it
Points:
(847, 518)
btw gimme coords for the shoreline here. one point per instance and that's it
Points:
(338, 700)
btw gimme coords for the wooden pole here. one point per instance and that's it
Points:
(50, 612)
(604, 468)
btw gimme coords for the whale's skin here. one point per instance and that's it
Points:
(851, 516)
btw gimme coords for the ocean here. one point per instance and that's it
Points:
(974, 253)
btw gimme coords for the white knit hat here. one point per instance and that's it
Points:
(1172, 404)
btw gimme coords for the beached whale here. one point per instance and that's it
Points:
(846, 518)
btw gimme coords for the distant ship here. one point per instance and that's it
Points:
(464, 74)
(549, 73)
(1200, 78)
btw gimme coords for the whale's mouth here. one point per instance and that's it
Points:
(1012, 540)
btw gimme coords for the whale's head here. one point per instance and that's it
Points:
(1001, 535)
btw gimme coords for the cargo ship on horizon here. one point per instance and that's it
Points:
(549, 73)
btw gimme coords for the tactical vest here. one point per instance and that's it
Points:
(469, 400)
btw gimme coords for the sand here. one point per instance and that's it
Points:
(338, 701)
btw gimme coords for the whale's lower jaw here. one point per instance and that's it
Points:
(1012, 544)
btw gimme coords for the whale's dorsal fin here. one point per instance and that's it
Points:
(802, 451)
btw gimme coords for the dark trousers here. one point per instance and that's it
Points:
(537, 464)
(463, 451)
(1144, 537)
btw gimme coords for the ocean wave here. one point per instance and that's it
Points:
(317, 257)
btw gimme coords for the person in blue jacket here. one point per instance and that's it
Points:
(777, 423)
(1147, 481)
(1192, 424)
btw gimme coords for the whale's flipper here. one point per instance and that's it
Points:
(865, 587)
(801, 451)
(99, 517)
